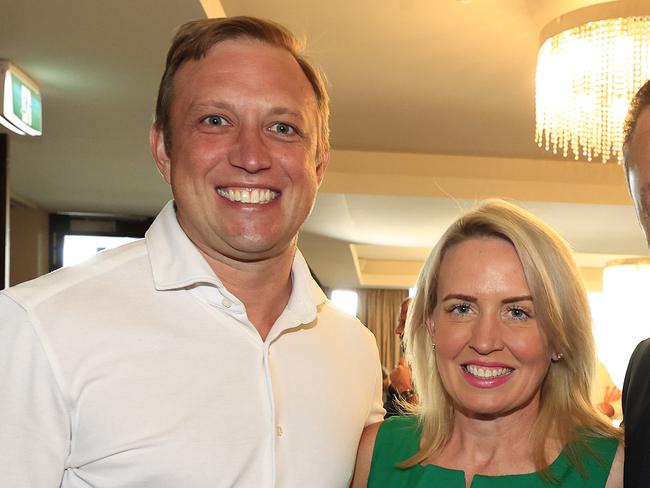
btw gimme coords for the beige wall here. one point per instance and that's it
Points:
(28, 231)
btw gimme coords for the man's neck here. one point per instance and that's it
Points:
(264, 287)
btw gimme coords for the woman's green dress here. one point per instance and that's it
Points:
(399, 438)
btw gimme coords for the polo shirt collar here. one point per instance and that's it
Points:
(306, 295)
(175, 260)
(176, 263)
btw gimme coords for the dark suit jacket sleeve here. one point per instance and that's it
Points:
(636, 417)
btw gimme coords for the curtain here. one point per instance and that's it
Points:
(379, 309)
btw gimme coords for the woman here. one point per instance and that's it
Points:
(499, 337)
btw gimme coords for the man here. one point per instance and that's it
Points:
(636, 387)
(401, 381)
(204, 355)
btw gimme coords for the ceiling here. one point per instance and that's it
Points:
(432, 110)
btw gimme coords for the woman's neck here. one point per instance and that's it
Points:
(492, 446)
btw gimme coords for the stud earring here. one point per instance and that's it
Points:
(557, 357)
(433, 346)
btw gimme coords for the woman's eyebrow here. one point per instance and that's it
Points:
(517, 299)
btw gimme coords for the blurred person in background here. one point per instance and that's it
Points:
(400, 390)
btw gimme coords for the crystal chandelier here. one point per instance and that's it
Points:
(586, 77)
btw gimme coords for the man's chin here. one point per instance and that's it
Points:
(250, 251)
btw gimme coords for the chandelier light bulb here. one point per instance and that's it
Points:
(586, 77)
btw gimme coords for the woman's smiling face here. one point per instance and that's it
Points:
(492, 354)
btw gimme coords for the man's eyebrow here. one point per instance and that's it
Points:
(211, 104)
(287, 111)
(219, 104)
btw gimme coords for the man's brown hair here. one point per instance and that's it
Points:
(640, 101)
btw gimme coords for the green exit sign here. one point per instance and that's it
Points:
(20, 101)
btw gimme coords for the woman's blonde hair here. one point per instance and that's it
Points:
(562, 310)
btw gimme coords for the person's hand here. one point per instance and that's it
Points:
(401, 377)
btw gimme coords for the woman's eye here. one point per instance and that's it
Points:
(518, 313)
(283, 129)
(215, 120)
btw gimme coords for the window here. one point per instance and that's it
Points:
(618, 326)
(346, 300)
(80, 248)
(74, 238)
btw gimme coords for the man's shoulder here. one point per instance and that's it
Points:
(339, 317)
(641, 352)
(636, 386)
(343, 323)
(96, 269)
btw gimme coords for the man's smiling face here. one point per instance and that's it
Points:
(242, 160)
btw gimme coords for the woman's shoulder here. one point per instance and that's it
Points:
(388, 434)
(601, 443)
(383, 445)
(364, 455)
(397, 439)
(604, 458)
(600, 449)
(589, 461)
(400, 425)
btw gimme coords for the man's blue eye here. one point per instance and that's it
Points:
(460, 309)
(284, 129)
(214, 120)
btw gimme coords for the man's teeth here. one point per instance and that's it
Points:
(483, 372)
(243, 195)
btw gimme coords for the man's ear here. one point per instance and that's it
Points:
(159, 152)
(321, 165)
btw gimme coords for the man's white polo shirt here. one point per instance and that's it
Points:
(138, 369)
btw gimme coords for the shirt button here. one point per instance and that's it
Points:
(278, 431)
(226, 302)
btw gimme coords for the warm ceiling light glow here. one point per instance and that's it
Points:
(627, 277)
(586, 77)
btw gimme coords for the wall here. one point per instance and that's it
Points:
(28, 232)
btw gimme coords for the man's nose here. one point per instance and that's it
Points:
(250, 151)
